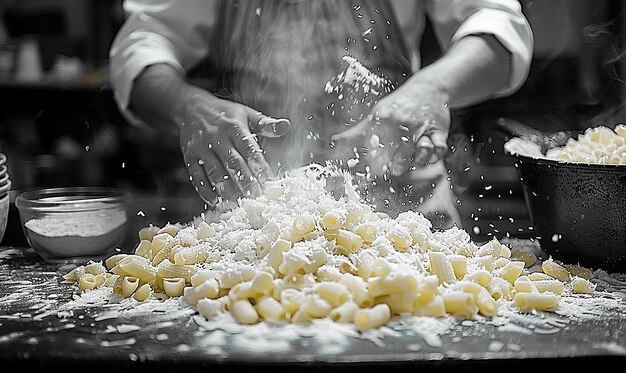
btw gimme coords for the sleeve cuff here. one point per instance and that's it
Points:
(126, 70)
(512, 32)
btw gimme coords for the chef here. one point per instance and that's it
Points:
(269, 109)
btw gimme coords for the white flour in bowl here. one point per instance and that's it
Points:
(76, 235)
(81, 224)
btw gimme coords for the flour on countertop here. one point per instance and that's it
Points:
(328, 337)
(236, 243)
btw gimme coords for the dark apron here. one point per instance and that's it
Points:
(276, 56)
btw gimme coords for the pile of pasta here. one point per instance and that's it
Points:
(299, 253)
(597, 145)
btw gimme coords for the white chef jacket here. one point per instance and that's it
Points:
(177, 32)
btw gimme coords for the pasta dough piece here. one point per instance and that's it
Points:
(349, 242)
(262, 283)
(95, 268)
(358, 289)
(147, 233)
(486, 304)
(428, 288)
(344, 313)
(527, 302)
(144, 249)
(236, 275)
(460, 304)
(523, 284)
(333, 292)
(552, 268)
(142, 293)
(553, 286)
(459, 265)
(368, 232)
(525, 256)
(511, 271)
(368, 318)
(244, 312)
(435, 307)
(583, 286)
(129, 285)
(209, 307)
(208, 289)
(270, 309)
(401, 303)
(139, 267)
(303, 225)
(275, 255)
(167, 269)
(482, 277)
(75, 274)
(400, 237)
(242, 290)
(333, 220)
(538, 276)
(316, 306)
(579, 271)
(395, 283)
(111, 261)
(441, 267)
(87, 282)
(173, 287)
(169, 228)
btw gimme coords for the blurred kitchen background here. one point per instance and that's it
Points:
(59, 125)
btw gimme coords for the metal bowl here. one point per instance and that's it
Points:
(579, 210)
(74, 224)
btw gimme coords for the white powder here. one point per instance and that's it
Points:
(357, 84)
(122, 342)
(81, 224)
(235, 245)
(520, 146)
(573, 308)
(127, 328)
(611, 347)
(495, 346)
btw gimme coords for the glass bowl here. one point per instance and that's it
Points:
(74, 224)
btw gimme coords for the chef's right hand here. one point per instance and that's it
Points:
(219, 146)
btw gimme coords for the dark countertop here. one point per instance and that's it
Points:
(38, 330)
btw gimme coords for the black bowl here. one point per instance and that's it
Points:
(579, 210)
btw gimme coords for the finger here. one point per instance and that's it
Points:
(266, 126)
(440, 142)
(219, 179)
(221, 182)
(403, 158)
(238, 171)
(250, 150)
(200, 181)
(424, 127)
(425, 149)
(356, 132)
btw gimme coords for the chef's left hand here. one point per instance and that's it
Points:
(405, 130)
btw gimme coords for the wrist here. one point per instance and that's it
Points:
(431, 82)
(189, 100)
(182, 106)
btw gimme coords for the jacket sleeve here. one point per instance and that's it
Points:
(454, 19)
(175, 32)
